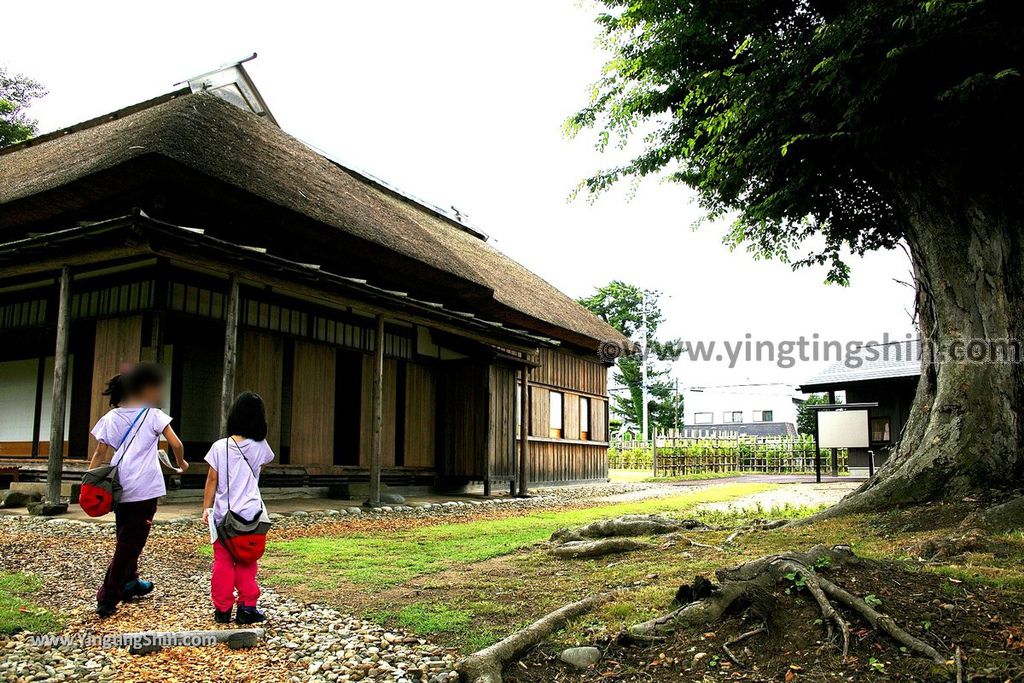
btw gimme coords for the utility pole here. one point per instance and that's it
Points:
(643, 362)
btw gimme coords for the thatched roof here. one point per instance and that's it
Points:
(214, 138)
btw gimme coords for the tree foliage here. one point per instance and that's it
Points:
(811, 118)
(805, 417)
(623, 306)
(16, 93)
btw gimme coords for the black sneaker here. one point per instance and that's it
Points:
(105, 609)
(249, 615)
(222, 617)
(137, 588)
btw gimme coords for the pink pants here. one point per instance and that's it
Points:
(228, 576)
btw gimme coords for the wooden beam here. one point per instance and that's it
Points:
(227, 391)
(55, 458)
(524, 433)
(37, 413)
(377, 400)
(834, 453)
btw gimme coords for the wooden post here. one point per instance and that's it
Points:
(835, 452)
(227, 389)
(524, 433)
(37, 412)
(817, 450)
(377, 433)
(55, 461)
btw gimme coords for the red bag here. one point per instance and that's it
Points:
(101, 489)
(97, 493)
(247, 548)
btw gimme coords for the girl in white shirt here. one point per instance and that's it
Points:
(128, 436)
(232, 483)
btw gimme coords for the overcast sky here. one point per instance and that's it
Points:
(462, 103)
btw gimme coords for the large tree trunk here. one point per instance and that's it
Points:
(964, 435)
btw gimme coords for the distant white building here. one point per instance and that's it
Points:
(754, 409)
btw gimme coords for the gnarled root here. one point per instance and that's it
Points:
(752, 581)
(486, 665)
(627, 525)
(606, 546)
(758, 525)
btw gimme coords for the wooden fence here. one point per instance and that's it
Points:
(671, 456)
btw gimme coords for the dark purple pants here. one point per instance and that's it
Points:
(133, 522)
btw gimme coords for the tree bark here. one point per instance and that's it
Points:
(964, 434)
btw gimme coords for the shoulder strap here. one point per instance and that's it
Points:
(227, 466)
(141, 413)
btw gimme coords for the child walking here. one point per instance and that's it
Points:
(127, 436)
(232, 483)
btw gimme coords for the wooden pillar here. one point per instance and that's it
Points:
(377, 402)
(227, 388)
(835, 452)
(55, 461)
(156, 338)
(524, 434)
(37, 411)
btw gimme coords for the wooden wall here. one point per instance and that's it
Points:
(420, 416)
(568, 370)
(118, 341)
(561, 462)
(312, 429)
(260, 369)
(463, 402)
(502, 417)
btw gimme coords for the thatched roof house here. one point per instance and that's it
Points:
(383, 332)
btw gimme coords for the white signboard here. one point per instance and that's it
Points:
(843, 429)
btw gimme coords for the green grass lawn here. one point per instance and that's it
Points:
(468, 584)
(17, 612)
(383, 560)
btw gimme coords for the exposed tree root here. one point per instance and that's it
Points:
(1005, 516)
(752, 583)
(627, 525)
(486, 665)
(739, 639)
(758, 525)
(606, 546)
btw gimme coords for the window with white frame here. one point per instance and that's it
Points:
(703, 418)
(584, 418)
(763, 416)
(732, 416)
(557, 414)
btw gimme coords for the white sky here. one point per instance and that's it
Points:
(462, 102)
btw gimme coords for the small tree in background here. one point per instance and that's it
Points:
(16, 92)
(805, 416)
(622, 306)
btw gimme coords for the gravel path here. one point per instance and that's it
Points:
(303, 643)
(795, 495)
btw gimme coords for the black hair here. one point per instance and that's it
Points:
(115, 390)
(248, 417)
(134, 381)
